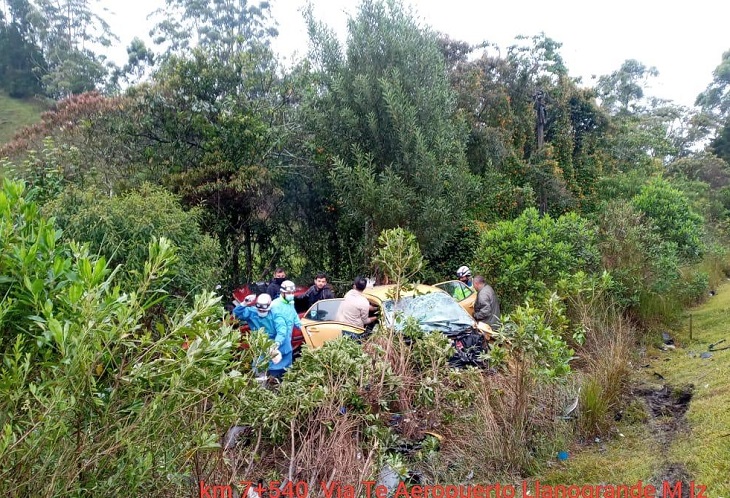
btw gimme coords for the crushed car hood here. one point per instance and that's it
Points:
(434, 312)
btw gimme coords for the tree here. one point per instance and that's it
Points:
(720, 145)
(622, 92)
(498, 95)
(222, 27)
(64, 31)
(641, 135)
(210, 130)
(715, 100)
(140, 59)
(216, 124)
(21, 60)
(383, 109)
(715, 104)
(20, 63)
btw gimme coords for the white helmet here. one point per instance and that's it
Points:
(263, 304)
(463, 271)
(287, 291)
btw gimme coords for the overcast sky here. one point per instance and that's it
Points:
(683, 40)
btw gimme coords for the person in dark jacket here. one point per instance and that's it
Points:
(486, 306)
(320, 290)
(274, 287)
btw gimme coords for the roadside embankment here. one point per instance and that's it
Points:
(676, 426)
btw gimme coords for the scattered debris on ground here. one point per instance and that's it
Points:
(666, 407)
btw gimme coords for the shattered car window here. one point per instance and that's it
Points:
(434, 312)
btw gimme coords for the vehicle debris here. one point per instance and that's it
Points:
(230, 439)
(713, 346)
(667, 339)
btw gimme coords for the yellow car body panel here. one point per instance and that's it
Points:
(316, 334)
(319, 325)
(451, 286)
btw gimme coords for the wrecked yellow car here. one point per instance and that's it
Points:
(433, 309)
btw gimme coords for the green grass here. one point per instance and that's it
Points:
(15, 114)
(622, 460)
(704, 449)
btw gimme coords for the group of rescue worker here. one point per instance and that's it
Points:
(274, 310)
(277, 317)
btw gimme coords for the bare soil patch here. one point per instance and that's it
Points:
(666, 408)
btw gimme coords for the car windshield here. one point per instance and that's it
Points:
(436, 311)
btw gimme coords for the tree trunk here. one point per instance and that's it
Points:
(248, 243)
(235, 264)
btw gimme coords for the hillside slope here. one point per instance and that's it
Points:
(677, 428)
(15, 114)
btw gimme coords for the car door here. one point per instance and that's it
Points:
(319, 325)
(462, 293)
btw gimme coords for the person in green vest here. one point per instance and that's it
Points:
(464, 275)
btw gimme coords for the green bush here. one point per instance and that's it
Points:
(46, 171)
(89, 401)
(533, 335)
(121, 227)
(674, 220)
(716, 263)
(644, 268)
(525, 257)
(620, 186)
(693, 287)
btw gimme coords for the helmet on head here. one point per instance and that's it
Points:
(263, 304)
(463, 271)
(287, 291)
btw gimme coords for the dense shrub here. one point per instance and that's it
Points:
(619, 186)
(121, 227)
(704, 200)
(669, 210)
(642, 265)
(88, 399)
(525, 257)
(716, 264)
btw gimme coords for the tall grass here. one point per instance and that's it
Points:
(607, 353)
